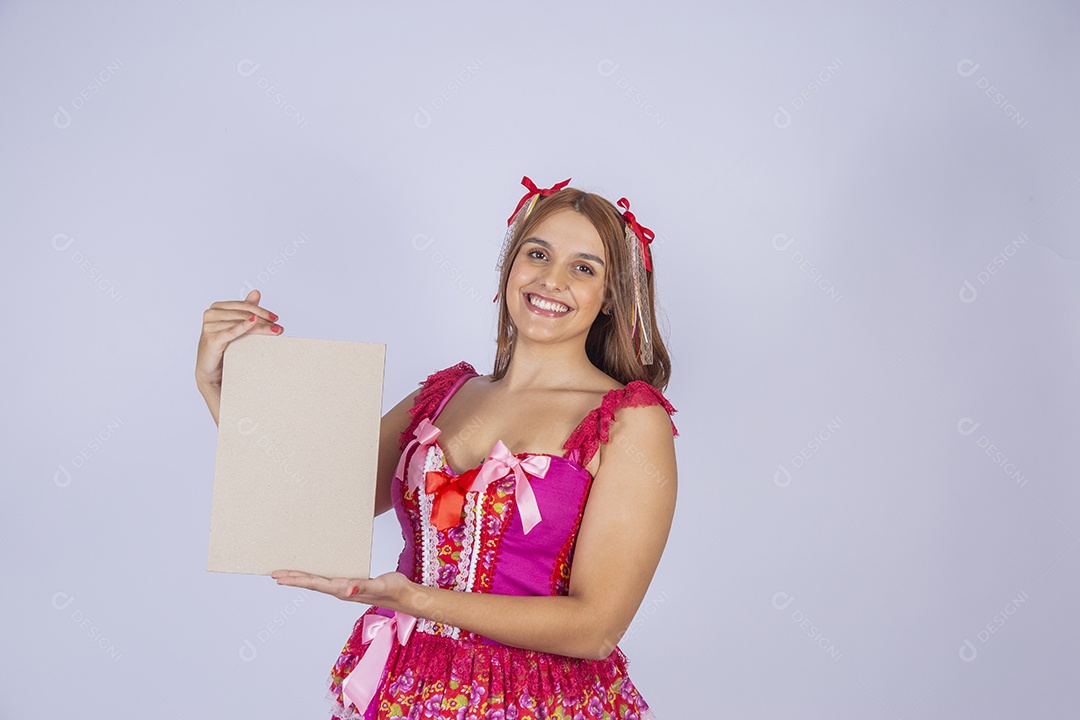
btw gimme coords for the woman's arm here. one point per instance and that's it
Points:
(391, 426)
(212, 395)
(622, 536)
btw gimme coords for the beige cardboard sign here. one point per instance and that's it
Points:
(297, 456)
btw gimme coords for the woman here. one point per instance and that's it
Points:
(521, 570)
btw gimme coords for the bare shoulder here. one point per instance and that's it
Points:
(641, 438)
(642, 424)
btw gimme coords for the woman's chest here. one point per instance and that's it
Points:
(482, 541)
(538, 423)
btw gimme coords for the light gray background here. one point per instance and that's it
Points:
(866, 218)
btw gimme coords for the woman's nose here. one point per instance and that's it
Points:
(554, 278)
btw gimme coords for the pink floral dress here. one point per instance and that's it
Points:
(477, 542)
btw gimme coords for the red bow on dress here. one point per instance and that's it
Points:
(645, 235)
(449, 492)
(533, 190)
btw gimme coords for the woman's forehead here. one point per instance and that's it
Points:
(567, 231)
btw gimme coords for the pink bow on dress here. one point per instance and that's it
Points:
(423, 437)
(359, 687)
(500, 463)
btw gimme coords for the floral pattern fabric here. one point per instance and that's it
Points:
(449, 672)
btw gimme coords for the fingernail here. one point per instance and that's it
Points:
(276, 328)
(273, 317)
(353, 591)
(251, 319)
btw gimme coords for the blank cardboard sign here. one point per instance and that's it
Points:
(297, 455)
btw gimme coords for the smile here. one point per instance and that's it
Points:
(545, 307)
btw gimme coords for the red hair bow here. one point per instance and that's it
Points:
(645, 235)
(533, 190)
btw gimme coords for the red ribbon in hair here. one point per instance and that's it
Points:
(645, 235)
(533, 190)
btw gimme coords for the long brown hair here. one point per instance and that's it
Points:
(609, 344)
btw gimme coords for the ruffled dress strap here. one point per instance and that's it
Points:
(595, 428)
(431, 397)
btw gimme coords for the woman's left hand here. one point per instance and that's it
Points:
(387, 590)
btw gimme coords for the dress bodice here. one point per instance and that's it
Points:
(508, 526)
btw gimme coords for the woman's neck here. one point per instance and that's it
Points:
(548, 367)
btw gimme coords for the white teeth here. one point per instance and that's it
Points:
(545, 305)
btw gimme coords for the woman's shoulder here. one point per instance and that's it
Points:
(448, 374)
(438, 383)
(636, 393)
(595, 429)
(432, 390)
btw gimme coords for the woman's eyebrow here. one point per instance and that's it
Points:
(545, 243)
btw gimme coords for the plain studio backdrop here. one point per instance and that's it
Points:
(866, 257)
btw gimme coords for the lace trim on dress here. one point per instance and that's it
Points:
(591, 432)
(435, 386)
(595, 428)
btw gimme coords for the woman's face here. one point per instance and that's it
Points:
(560, 264)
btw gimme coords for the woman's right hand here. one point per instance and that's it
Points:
(223, 322)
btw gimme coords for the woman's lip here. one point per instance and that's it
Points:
(541, 311)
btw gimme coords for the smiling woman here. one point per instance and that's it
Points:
(520, 570)
(604, 249)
